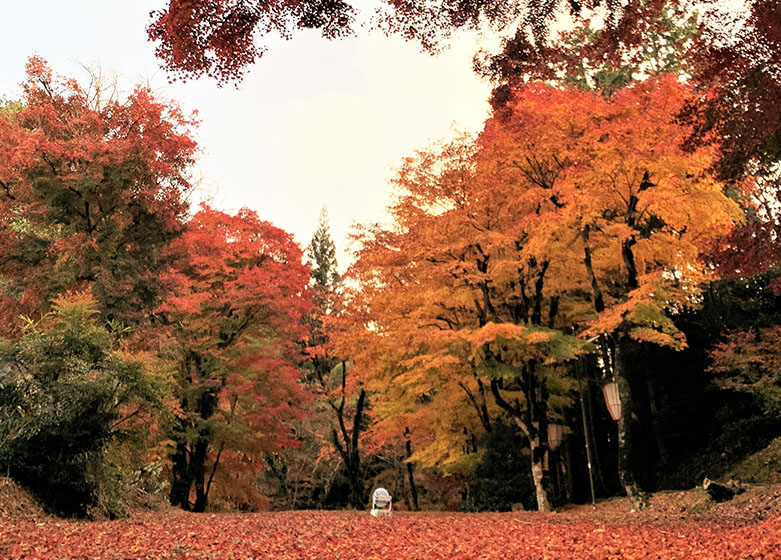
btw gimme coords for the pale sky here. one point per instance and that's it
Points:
(314, 122)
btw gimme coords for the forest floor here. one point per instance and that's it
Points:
(676, 525)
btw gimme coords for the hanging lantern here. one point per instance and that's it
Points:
(610, 390)
(555, 433)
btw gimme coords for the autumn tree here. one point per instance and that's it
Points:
(750, 361)
(455, 313)
(217, 37)
(92, 189)
(576, 57)
(237, 297)
(642, 209)
(743, 343)
(557, 222)
(728, 52)
(329, 372)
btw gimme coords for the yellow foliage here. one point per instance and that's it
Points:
(483, 270)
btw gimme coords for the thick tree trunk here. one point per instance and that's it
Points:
(207, 405)
(198, 468)
(189, 458)
(625, 475)
(533, 423)
(181, 481)
(357, 498)
(539, 474)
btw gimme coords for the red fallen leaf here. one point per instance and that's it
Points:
(355, 535)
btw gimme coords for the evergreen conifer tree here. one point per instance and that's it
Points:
(322, 254)
(328, 374)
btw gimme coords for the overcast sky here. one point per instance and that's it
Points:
(314, 122)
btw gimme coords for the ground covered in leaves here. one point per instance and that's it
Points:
(677, 525)
(16, 504)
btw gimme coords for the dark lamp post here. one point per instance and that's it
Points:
(610, 390)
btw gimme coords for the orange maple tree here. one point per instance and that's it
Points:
(451, 314)
(557, 221)
(640, 208)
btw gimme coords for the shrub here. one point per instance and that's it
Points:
(502, 477)
(66, 394)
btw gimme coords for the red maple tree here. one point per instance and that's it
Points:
(234, 315)
(92, 190)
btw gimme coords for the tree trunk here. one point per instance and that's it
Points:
(569, 477)
(400, 481)
(359, 500)
(599, 300)
(533, 423)
(181, 477)
(664, 456)
(189, 458)
(625, 476)
(410, 471)
(198, 469)
(629, 262)
(348, 449)
(539, 476)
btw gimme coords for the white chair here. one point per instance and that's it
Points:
(381, 502)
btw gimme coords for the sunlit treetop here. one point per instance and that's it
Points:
(731, 50)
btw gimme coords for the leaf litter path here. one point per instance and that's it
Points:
(322, 535)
